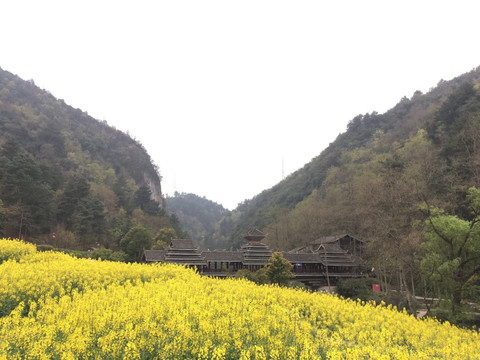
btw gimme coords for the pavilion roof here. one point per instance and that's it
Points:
(330, 248)
(334, 238)
(254, 235)
(154, 255)
(315, 245)
(302, 258)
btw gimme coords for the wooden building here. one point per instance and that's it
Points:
(346, 242)
(183, 251)
(150, 256)
(180, 251)
(255, 253)
(222, 263)
(322, 261)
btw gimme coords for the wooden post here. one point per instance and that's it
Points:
(328, 277)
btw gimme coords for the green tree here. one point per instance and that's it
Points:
(142, 196)
(452, 248)
(163, 237)
(119, 224)
(88, 218)
(356, 288)
(244, 274)
(258, 277)
(81, 212)
(119, 256)
(448, 119)
(279, 270)
(145, 203)
(76, 189)
(175, 224)
(135, 241)
(101, 253)
(22, 185)
(124, 188)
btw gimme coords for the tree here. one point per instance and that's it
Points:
(76, 189)
(258, 277)
(88, 219)
(145, 203)
(80, 211)
(163, 237)
(453, 249)
(135, 241)
(119, 256)
(22, 186)
(279, 270)
(175, 224)
(101, 253)
(447, 121)
(244, 274)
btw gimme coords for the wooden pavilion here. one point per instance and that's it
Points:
(322, 261)
(255, 253)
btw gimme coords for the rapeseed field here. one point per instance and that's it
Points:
(53, 306)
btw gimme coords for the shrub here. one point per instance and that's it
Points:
(45, 247)
(356, 288)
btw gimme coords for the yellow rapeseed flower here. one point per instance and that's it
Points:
(56, 306)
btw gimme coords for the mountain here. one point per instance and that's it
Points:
(201, 218)
(63, 172)
(326, 197)
(407, 183)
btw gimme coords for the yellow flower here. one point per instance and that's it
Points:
(56, 306)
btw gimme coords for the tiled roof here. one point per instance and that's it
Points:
(183, 251)
(330, 248)
(154, 255)
(254, 235)
(334, 238)
(313, 246)
(302, 258)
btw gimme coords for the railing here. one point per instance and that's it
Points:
(305, 271)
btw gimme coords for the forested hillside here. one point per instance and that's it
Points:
(64, 173)
(384, 137)
(201, 218)
(407, 183)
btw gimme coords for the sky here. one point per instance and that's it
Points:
(230, 97)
